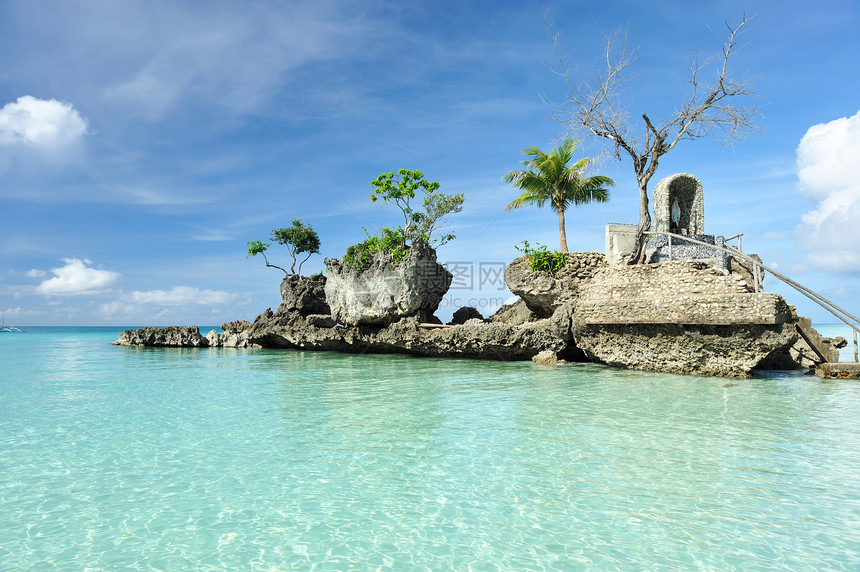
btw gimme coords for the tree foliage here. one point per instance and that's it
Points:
(391, 241)
(300, 238)
(419, 226)
(717, 107)
(549, 179)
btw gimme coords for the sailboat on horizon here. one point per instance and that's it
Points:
(5, 328)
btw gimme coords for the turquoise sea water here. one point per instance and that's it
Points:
(140, 458)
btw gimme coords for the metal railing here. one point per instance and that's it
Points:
(758, 277)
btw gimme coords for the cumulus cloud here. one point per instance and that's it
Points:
(45, 123)
(35, 273)
(828, 171)
(77, 278)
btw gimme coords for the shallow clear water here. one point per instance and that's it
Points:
(143, 458)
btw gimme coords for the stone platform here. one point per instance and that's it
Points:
(847, 370)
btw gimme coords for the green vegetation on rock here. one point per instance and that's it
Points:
(420, 224)
(541, 259)
(359, 256)
(299, 238)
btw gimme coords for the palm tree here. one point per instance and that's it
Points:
(548, 178)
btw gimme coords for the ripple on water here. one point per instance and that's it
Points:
(261, 459)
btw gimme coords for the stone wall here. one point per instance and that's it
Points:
(683, 292)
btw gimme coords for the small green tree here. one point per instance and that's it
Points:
(419, 226)
(299, 239)
(549, 178)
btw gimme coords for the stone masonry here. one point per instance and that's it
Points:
(683, 292)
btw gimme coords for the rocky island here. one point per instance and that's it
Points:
(696, 310)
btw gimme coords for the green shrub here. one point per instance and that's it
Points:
(391, 241)
(541, 259)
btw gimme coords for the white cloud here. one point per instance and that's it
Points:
(181, 296)
(77, 278)
(828, 171)
(46, 123)
(233, 55)
(170, 306)
(34, 273)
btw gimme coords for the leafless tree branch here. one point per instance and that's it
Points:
(719, 109)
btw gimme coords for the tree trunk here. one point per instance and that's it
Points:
(562, 234)
(638, 254)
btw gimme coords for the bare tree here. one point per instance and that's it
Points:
(721, 108)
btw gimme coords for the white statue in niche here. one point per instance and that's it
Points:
(675, 219)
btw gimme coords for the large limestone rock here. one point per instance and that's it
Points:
(680, 317)
(387, 291)
(729, 351)
(474, 339)
(304, 294)
(544, 293)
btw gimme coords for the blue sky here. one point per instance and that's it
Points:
(142, 144)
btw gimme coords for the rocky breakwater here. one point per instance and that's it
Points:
(171, 336)
(380, 313)
(680, 317)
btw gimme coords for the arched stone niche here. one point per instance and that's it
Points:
(679, 206)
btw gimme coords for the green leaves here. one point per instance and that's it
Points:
(256, 247)
(298, 238)
(391, 241)
(400, 189)
(541, 259)
(549, 179)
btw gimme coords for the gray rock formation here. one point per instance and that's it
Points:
(387, 291)
(514, 314)
(680, 317)
(171, 336)
(236, 326)
(546, 357)
(474, 339)
(464, 314)
(729, 351)
(543, 293)
(304, 294)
